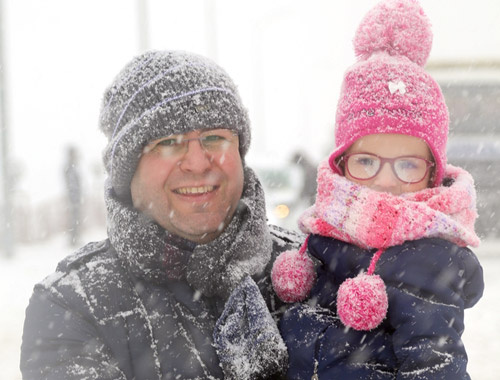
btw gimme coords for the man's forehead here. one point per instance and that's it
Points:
(199, 131)
(194, 133)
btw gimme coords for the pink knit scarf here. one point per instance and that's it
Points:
(372, 219)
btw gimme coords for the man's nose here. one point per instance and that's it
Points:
(196, 159)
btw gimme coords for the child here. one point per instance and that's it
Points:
(389, 227)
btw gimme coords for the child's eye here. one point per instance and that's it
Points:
(365, 161)
(407, 164)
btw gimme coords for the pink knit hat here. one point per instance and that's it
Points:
(387, 90)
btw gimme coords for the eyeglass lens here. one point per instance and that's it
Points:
(367, 166)
(213, 141)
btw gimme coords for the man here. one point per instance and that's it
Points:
(173, 293)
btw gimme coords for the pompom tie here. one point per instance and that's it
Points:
(362, 301)
(293, 275)
(397, 27)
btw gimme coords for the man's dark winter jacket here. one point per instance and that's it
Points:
(106, 324)
(421, 335)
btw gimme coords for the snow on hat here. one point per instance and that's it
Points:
(161, 93)
(387, 90)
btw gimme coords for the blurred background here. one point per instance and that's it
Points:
(287, 58)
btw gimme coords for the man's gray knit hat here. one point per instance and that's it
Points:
(161, 93)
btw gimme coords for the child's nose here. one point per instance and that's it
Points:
(386, 180)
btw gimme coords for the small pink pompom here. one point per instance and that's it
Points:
(398, 27)
(293, 276)
(362, 302)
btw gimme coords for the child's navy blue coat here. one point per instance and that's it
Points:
(429, 284)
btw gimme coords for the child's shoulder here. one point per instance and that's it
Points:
(437, 246)
(436, 266)
(432, 255)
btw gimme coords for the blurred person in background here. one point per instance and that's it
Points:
(308, 192)
(74, 193)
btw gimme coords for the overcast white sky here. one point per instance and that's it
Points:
(287, 58)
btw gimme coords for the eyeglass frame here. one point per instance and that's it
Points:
(344, 159)
(181, 141)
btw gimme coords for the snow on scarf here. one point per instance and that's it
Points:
(367, 218)
(215, 268)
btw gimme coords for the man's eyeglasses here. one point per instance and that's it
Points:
(365, 166)
(211, 141)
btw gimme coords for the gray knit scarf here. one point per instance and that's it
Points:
(215, 268)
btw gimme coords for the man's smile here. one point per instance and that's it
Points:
(195, 190)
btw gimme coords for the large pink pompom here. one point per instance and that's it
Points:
(293, 276)
(398, 27)
(362, 302)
